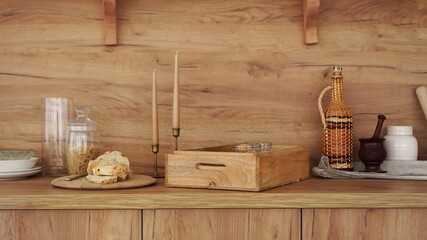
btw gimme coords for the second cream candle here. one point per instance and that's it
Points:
(175, 122)
(155, 120)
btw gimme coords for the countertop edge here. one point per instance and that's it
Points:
(220, 200)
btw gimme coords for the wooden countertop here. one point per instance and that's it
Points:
(37, 193)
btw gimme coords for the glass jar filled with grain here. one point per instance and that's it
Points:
(82, 142)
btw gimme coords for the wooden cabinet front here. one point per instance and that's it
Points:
(356, 224)
(70, 224)
(224, 224)
(212, 224)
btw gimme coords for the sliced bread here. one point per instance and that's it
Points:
(102, 179)
(106, 159)
(119, 170)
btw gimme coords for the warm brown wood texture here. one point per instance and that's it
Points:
(279, 168)
(70, 224)
(311, 193)
(245, 72)
(356, 224)
(224, 224)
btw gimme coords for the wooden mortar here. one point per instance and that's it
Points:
(372, 152)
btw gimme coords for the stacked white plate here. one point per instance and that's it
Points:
(18, 169)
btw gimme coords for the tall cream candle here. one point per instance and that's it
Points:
(175, 123)
(155, 122)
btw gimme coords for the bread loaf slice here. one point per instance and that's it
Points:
(102, 179)
(119, 170)
(106, 159)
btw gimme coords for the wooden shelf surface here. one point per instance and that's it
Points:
(37, 193)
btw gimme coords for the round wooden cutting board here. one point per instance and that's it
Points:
(133, 181)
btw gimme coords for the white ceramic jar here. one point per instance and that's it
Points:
(400, 143)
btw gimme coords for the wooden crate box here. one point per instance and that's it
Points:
(219, 168)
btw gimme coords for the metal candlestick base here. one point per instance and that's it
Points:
(155, 149)
(175, 133)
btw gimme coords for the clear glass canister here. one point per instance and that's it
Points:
(57, 114)
(82, 142)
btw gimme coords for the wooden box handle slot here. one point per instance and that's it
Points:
(210, 166)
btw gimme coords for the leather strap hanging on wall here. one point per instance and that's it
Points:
(110, 22)
(311, 14)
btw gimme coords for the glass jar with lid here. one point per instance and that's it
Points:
(82, 142)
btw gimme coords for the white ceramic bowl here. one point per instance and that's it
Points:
(18, 164)
(16, 154)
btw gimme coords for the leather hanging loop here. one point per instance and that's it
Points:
(110, 22)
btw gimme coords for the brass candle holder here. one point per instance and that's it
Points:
(175, 133)
(155, 149)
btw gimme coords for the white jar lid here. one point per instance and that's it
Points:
(399, 130)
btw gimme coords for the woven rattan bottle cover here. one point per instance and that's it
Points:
(337, 122)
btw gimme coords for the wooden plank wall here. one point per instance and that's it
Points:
(245, 72)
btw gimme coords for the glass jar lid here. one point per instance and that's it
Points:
(82, 123)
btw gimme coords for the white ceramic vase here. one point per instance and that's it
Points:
(400, 143)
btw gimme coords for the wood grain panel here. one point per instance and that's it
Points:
(7, 219)
(221, 224)
(115, 224)
(67, 224)
(245, 72)
(364, 224)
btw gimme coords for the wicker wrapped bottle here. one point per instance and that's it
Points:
(337, 122)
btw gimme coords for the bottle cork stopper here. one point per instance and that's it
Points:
(337, 71)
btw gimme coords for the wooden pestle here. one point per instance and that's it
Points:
(422, 97)
(377, 132)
